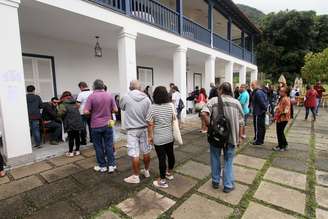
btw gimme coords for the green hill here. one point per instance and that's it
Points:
(253, 14)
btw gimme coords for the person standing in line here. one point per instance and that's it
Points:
(213, 91)
(171, 86)
(34, 104)
(260, 105)
(282, 116)
(81, 101)
(2, 172)
(320, 90)
(160, 133)
(72, 120)
(236, 92)
(176, 99)
(310, 102)
(137, 106)
(100, 105)
(244, 102)
(234, 115)
(201, 100)
(147, 92)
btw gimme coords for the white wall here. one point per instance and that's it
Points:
(75, 62)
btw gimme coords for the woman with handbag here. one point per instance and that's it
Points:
(160, 133)
(282, 117)
(201, 100)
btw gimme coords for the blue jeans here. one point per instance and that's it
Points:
(35, 131)
(228, 176)
(318, 105)
(103, 142)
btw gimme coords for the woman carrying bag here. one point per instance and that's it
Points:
(161, 120)
(201, 100)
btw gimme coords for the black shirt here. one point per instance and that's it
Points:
(50, 112)
(34, 104)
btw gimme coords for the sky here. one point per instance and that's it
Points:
(267, 6)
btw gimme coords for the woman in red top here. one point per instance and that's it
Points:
(282, 116)
(310, 102)
(202, 100)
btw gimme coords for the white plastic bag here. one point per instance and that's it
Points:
(176, 130)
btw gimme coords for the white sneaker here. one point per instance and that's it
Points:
(111, 169)
(132, 179)
(169, 176)
(77, 153)
(68, 154)
(160, 183)
(100, 169)
(145, 173)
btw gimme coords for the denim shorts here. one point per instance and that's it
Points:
(137, 142)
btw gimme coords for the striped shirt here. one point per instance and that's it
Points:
(162, 116)
(233, 113)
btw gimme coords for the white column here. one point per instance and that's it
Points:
(242, 75)
(228, 72)
(254, 75)
(180, 74)
(13, 106)
(209, 72)
(126, 59)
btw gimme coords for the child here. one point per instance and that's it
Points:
(72, 121)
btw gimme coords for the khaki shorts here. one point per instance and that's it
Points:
(137, 142)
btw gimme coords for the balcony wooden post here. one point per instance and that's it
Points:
(243, 45)
(179, 7)
(229, 34)
(127, 7)
(210, 20)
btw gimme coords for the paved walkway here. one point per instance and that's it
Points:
(292, 184)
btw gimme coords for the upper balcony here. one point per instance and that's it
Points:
(216, 24)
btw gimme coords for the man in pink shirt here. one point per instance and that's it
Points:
(100, 105)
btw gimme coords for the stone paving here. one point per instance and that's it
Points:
(270, 185)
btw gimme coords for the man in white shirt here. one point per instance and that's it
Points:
(81, 100)
(176, 96)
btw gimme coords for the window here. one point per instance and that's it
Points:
(39, 71)
(146, 76)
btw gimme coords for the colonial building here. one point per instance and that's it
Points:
(52, 45)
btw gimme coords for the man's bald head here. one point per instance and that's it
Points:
(135, 85)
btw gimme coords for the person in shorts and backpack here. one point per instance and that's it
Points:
(224, 116)
(73, 125)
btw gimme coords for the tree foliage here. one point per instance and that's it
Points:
(316, 67)
(287, 37)
(253, 14)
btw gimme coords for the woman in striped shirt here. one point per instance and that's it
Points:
(160, 133)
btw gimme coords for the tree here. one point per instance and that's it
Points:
(287, 37)
(253, 14)
(321, 27)
(316, 67)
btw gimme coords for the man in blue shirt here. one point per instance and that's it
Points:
(260, 105)
(244, 102)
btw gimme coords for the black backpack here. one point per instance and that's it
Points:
(219, 127)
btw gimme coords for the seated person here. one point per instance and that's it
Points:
(51, 120)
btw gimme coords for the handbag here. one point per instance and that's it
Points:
(176, 130)
(199, 107)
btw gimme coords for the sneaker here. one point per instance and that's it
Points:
(277, 148)
(160, 183)
(132, 179)
(69, 154)
(283, 149)
(145, 173)
(243, 136)
(77, 153)
(83, 143)
(111, 169)
(215, 185)
(169, 176)
(100, 169)
(228, 190)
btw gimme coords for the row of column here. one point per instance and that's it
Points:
(14, 117)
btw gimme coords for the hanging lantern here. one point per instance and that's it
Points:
(98, 50)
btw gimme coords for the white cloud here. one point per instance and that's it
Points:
(267, 6)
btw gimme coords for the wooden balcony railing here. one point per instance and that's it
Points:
(154, 13)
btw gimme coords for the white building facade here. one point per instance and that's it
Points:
(50, 44)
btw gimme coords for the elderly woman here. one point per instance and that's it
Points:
(282, 116)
